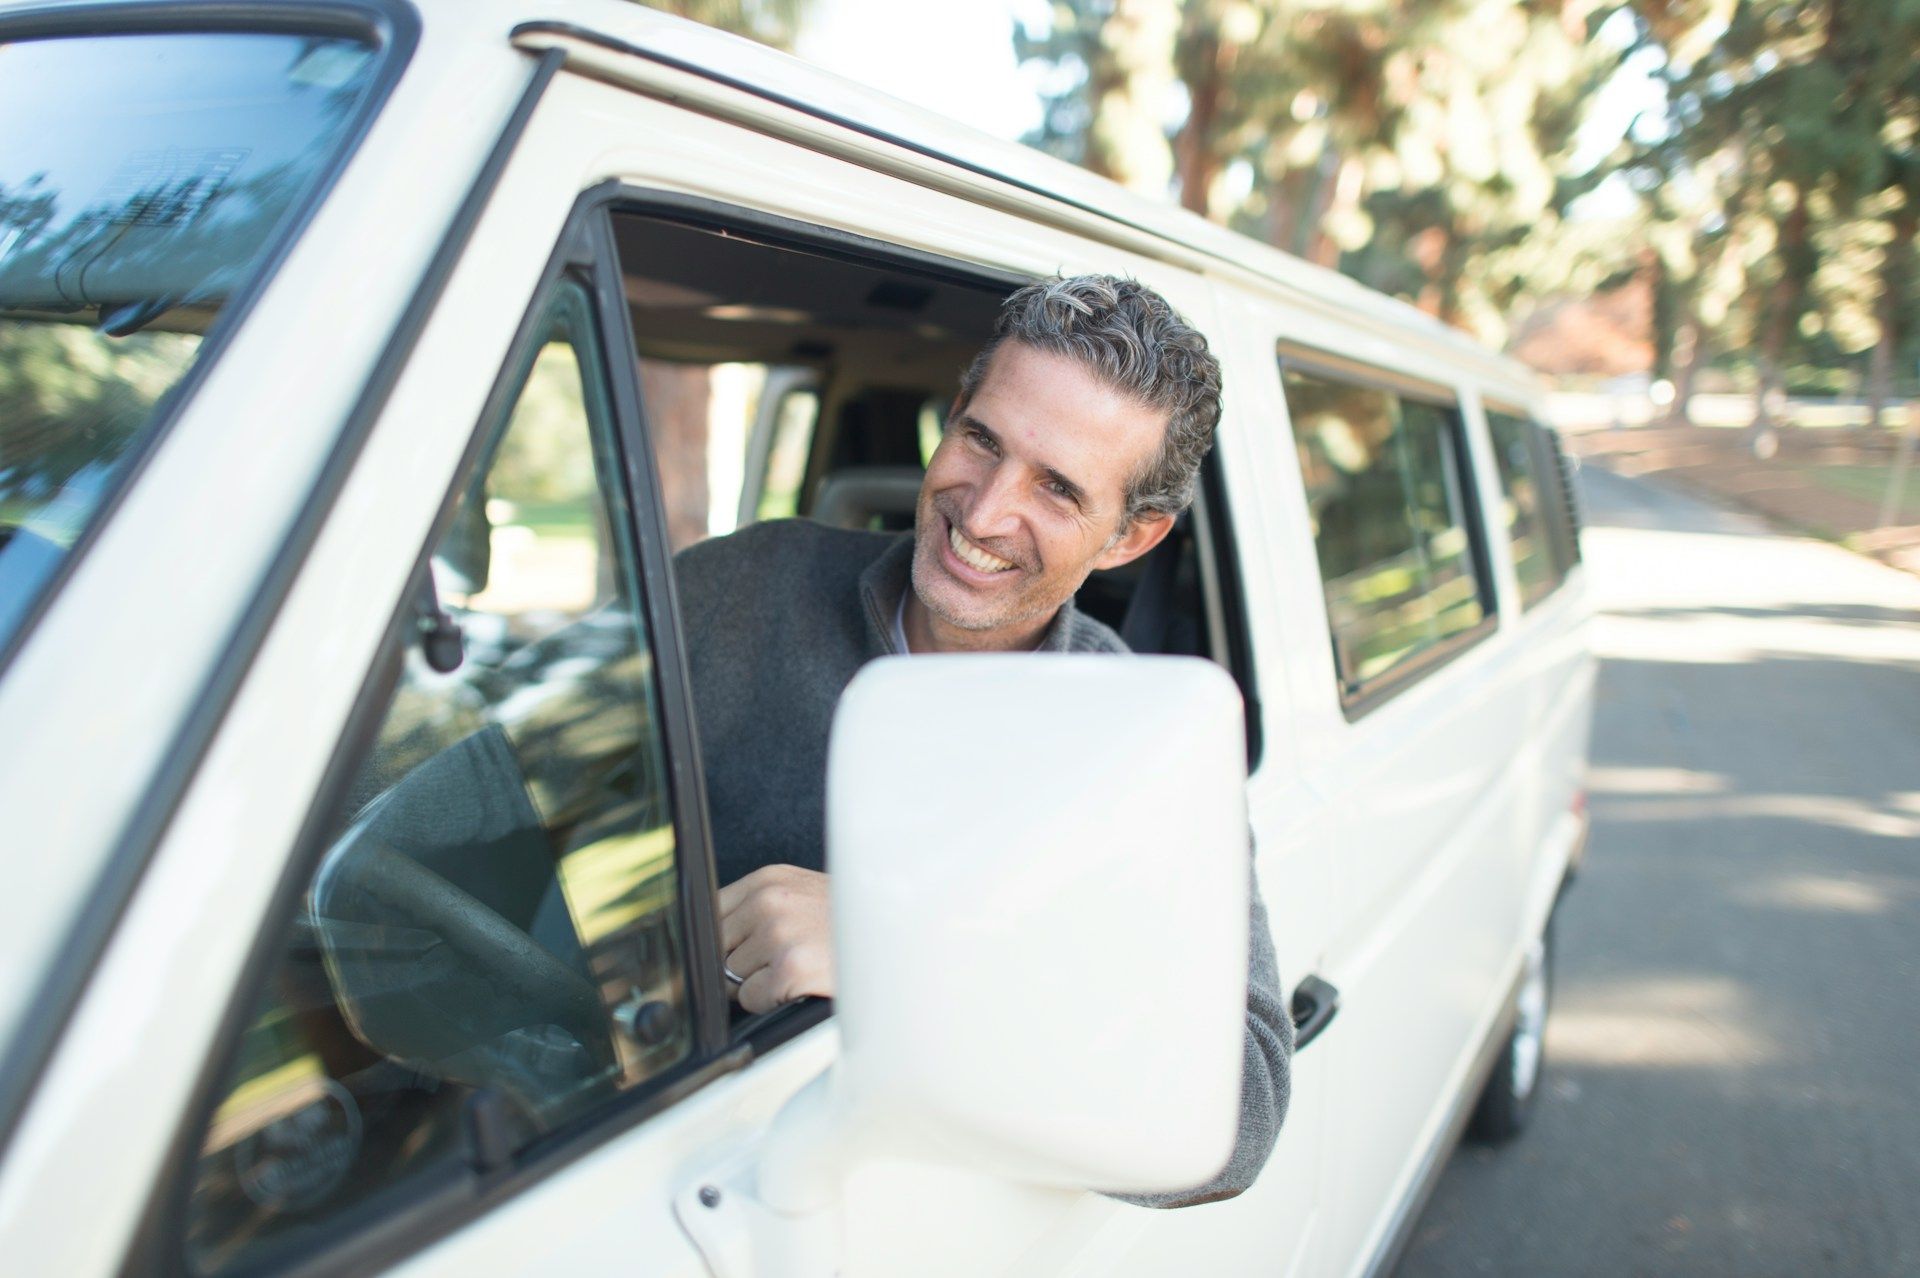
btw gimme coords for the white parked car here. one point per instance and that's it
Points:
(363, 363)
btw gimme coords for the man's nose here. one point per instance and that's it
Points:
(995, 508)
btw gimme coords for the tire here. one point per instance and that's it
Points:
(1512, 1088)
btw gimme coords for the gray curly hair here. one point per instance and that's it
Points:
(1128, 336)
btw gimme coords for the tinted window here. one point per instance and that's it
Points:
(1539, 562)
(1386, 488)
(142, 179)
(1562, 494)
(495, 921)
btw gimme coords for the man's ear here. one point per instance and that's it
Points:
(1142, 535)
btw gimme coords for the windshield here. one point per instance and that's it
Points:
(142, 181)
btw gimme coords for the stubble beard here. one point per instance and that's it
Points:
(937, 590)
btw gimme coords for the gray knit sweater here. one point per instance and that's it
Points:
(778, 617)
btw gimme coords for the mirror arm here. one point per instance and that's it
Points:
(808, 1153)
(776, 1211)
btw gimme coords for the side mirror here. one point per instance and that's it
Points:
(1039, 876)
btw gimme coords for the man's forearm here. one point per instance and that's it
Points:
(1265, 1079)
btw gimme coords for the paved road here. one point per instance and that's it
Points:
(1733, 1082)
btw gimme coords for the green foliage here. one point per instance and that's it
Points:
(72, 404)
(1432, 148)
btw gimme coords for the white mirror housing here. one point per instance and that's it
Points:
(1039, 874)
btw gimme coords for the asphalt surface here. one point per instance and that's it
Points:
(1733, 1056)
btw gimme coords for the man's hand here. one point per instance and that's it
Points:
(778, 936)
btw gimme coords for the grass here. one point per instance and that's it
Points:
(1866, 483)
(554, 519)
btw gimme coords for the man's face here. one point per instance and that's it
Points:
(1025, 494)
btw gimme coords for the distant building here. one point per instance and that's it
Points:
(1604, 336)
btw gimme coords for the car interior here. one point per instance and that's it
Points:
(878, 342)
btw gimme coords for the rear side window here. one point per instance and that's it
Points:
(144, 179)
(1531, 510)
(1390, 498)
(1563, 494)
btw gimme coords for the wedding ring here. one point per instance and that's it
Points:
(732, 975)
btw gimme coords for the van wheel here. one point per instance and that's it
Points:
(1508, 1098)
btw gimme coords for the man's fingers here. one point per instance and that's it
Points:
(791, 974)
(775, 932)
(737, 891)
(752, 953)
(734, 928)
(738, 908)
(758, 994)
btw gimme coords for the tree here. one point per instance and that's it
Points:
(1415, 143)
(773, 22)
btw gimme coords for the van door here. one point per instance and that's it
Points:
(483, 1026)
(1279, 1226)
(1417, 726)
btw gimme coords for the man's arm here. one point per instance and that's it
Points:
(777, 933)
(1266, 1076)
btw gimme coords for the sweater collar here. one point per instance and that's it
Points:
(885, 582)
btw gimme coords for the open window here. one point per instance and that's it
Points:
(786, 372)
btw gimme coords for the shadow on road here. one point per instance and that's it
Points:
(1733, 1055)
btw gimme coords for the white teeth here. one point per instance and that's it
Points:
(972, 555)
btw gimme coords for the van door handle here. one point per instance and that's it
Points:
(1315, 1003)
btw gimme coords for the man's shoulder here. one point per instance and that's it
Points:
(777, 547)
(1086, 634)
(774, 566)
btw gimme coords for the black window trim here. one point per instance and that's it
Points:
(394, 26)
(414, 1214)
(1358, 700)
(1351, 372)
(1217, 540)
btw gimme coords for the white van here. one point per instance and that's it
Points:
(363, 363)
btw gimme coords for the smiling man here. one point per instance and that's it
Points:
(1073, 444)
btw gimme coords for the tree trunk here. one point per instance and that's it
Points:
(1666, 312)
(1784, 303)
(1287, 199)
(1196, 156)
(676, 400)
(1128, 83)
(1689, 353)
(1895, 275)
(1338, 196)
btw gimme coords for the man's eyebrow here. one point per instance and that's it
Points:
(1076, 494)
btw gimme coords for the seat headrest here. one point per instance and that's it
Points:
(853, 497)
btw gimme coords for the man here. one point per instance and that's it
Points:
(1075, 441)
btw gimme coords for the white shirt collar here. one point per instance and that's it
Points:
(900, 626)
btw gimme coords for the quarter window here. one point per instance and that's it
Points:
(1540, 561)
(1387, 491)
(492, 939)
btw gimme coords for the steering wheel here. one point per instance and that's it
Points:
(429, 975)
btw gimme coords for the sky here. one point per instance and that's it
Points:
(953, 56)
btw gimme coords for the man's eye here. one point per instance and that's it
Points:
(981, 439)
